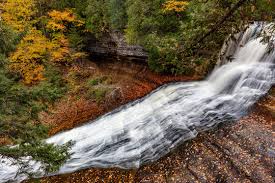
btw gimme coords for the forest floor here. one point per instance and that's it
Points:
(239, 152)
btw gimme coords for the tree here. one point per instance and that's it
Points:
(8, 38)
(29, 56)
(59, 24)
(97, 17)
(18, 126)
(117, 14)
(35, 49)
(19, 14)
(20, 105)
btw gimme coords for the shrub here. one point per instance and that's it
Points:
(97, 93)
(93, 82)
(99, 80)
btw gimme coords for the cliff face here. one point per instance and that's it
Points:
(114, 44)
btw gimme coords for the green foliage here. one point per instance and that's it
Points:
(3, 60)
(172, 38)
(163, 54)
(22, 104)
(78, 5)
(97, 89)
(49, 155)
(97, 93)
(117, 14)
(51, 89)
(103, 15)
(93, 82)
(147, 17)
(158, 32)
(19, 108)
(98, 80)
(76, 39)
(97, 16)
(8, 38)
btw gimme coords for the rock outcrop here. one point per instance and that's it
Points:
(114, 44)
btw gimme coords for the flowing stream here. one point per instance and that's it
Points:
(147, 129)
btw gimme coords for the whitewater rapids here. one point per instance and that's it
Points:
(147, 129)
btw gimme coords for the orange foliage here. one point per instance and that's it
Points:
(69, 113)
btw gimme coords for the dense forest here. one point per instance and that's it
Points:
(40, 40)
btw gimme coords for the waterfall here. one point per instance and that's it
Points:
(147, 129)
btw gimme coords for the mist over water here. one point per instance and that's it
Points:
(147, 129)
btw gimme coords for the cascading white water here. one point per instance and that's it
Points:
(147, 129)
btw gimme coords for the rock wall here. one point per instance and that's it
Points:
(114, 44)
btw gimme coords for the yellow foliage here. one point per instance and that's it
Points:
(18, 13)
(28, 58)
(59, 20)
(79, 55)
(35, 49)
(52, 25)
(175, 6)
(60, 51)
(32, 49)
(60, 48)
(66, 15)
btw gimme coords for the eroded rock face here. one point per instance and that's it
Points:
(114, 44)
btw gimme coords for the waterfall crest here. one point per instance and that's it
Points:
(147, 129)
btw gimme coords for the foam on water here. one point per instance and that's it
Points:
(147, 129)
